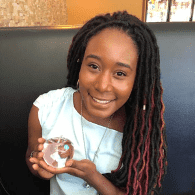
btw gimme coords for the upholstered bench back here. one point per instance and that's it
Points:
(33, 61)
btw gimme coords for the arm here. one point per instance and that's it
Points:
(105, 187)
(35, 132)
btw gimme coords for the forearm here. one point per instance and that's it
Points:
(104, 186)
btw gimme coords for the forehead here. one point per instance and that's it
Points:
(112, 42)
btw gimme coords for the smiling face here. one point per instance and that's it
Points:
(107, 73)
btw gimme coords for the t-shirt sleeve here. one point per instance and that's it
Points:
(46, 101)
(42, 103)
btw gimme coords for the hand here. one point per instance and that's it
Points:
(37, 157)
(84, 169)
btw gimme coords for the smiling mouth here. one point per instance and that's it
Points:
(101, 101)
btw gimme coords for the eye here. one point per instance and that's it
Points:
(120, 74)
(93, 66)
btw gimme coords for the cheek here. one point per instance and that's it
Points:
(86, 78)
(124, 88)
(124, 92)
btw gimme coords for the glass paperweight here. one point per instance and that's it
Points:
(57, 151)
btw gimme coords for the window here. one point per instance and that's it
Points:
(170, 11)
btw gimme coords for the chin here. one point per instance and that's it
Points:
(101, 114)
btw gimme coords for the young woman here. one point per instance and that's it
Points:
(111, 109)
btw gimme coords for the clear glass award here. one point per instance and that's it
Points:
(57, 151)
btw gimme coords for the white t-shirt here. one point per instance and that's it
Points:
(58, 117)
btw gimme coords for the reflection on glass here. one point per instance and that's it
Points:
(57, 151)
(157, 11)
(180, 10)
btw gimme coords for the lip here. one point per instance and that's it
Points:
(101, 101)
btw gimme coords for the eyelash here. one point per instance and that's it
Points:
(122, 73)
(93, 66)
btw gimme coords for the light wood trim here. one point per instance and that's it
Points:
(144, 10)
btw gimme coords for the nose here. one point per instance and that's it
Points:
(103, 83)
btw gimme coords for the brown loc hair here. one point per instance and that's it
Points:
(143, 163)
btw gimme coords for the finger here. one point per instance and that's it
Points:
(36, 164)
(43, 173)
(40, 147)
(41, 140)
(40, 155)
(70, 170)
(75, 172)
(47, 167)
(69, 163)
(74, 168)
(81, 165)
(34, 160)
(35, 167)
(53, 170)
(75, 164)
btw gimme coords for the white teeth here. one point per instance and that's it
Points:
(101, 101)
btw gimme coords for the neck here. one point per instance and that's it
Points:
(118, 120)
(100, 121)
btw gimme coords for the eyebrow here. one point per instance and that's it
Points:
(93, 56)
(118, 63)
(124, 65)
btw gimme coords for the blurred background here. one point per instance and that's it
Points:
(15, 13)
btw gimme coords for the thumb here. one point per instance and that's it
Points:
(69, 163)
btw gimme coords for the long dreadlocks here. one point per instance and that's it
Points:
(143, 163)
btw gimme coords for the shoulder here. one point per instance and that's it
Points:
(58, 93)
(54, 96)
